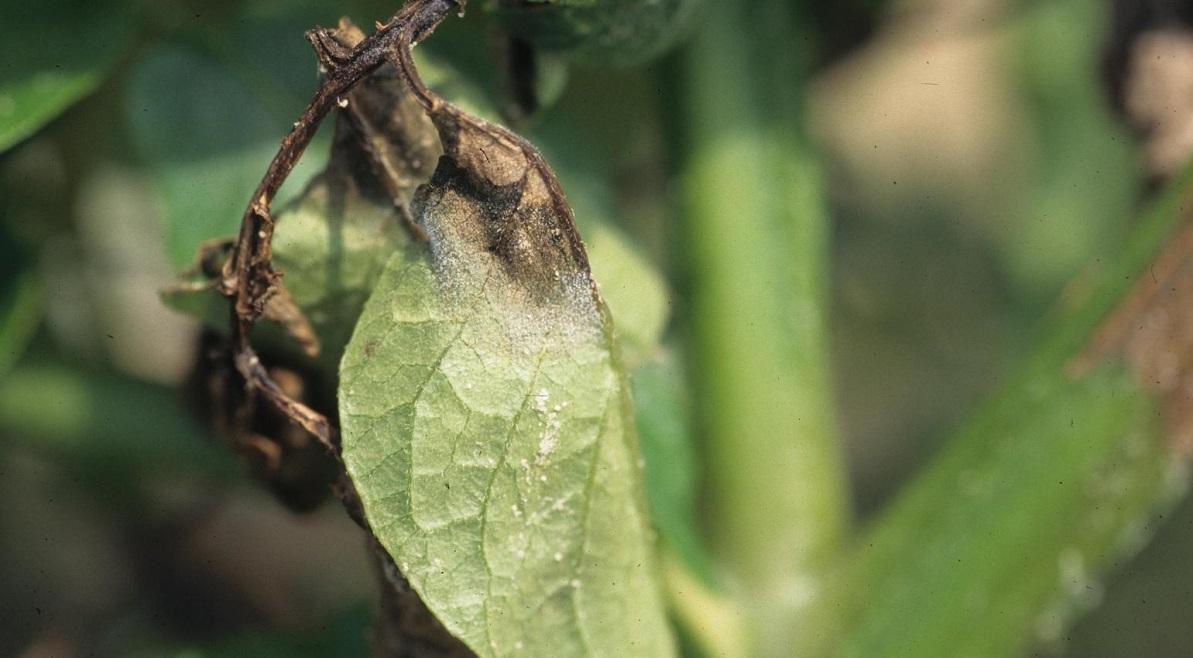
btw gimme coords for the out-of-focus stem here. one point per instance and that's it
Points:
(715, 624)
(755, 230)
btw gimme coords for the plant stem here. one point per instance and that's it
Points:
(755, 232)
(714, 624)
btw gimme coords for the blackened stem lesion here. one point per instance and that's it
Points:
(249, 278)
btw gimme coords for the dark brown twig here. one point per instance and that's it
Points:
(249, 278)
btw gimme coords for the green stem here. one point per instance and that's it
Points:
(755, 232)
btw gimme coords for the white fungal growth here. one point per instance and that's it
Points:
(550, 438)
(547, 444)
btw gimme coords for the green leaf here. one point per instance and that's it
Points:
(1085, 178)
(619, 32)
(663, 411)
(332, 248)
(207, 137)
(55, 53)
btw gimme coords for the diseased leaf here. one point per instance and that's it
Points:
(620, 32)
(333, 243)
(47, 66)
(485, 420)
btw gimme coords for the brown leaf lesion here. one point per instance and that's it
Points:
(494, 193)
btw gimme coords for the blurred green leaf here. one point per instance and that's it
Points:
(619, 32)
(346, 636)
(54, 53)
(21, 304)
(635, 292)
(106, 425)
(1085, 174)
(20, 311)
(207, 138)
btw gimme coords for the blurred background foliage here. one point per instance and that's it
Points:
(974, 166)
